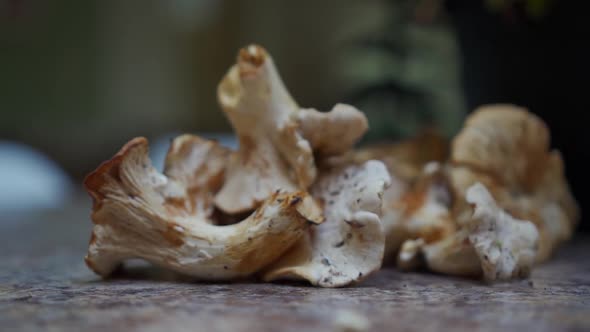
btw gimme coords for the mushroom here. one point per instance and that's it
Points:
(500, 162)
(406, 162)
(332, 133)
(424, 209)
(426, 223)
(505, 245)
(507, 148)
(409, 257)
(277, 139)
(492, 243)
(407, 158)
(167, 219)
(349, 244)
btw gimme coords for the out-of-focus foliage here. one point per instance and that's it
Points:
(405, 73)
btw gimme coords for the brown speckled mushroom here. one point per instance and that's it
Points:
(277, 139)
(166, 219)
(349, 244)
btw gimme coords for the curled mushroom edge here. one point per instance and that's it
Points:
(166, 220)
(349, 245)
(217, 214)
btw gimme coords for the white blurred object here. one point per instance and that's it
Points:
(350, 321)
(29, 180)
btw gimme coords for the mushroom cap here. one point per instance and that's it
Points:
(166, 219)
(426, 206)
(505, 245)
(349, 244)
(507, 148)
(332, 133)
(277, 139)
(500, 162)
(423, 211)
(272, 155)
(505, 141)
(406, 159)
(198, 165)
(493, 244)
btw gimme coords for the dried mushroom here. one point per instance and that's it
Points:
(507, 148)
(217, 214)
(406, 161)
(500, 162)
(332, 133)
(349, 244)
(277, 139)
(166, 218)
(505, 245)
(492, 243)
(425, 208)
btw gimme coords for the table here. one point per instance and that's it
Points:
(44, 285)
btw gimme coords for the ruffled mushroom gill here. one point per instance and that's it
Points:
(167, 219)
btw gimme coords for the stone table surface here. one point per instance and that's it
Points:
(45, 286)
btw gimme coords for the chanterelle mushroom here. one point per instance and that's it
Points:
(349, 244)
(166, 219)
(277, 138)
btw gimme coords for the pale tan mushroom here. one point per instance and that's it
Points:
(423, 211)
(197, 165)
(493, 244)
(507, 148)
(349, 244)
(332, 133)
(431, 234)
(410, 187)
(410, 254)
(277, 138)
(501, 162)
(505, 245)
(167, 219)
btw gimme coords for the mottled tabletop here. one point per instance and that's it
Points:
(44, 285)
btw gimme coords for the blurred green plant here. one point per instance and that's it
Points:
(405, 75)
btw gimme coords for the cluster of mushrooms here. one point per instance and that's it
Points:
(296, 201)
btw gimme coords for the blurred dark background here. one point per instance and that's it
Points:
(80, 78)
